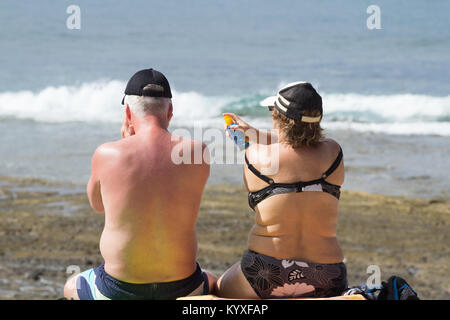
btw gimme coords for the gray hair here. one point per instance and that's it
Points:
(142, 105)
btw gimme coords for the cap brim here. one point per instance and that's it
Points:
(268, 102)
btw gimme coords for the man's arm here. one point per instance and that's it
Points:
(93, 186)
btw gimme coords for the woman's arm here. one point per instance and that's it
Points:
(254, 135)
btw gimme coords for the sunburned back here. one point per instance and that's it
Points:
(296, 225)
(151, 207)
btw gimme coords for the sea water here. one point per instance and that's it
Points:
(386, 92)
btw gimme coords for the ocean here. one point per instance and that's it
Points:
(386, 92)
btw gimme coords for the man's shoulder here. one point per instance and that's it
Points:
(189, 144)
(190, 151)
(188, 141)
(109, 150)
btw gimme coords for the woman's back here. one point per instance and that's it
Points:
(296, 225)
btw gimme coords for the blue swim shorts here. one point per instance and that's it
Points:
(96, 284)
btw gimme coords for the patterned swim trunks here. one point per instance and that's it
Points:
(277, 278)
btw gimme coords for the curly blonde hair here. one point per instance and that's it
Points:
(296, 133)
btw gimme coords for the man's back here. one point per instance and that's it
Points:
(151, 207)
(150, 201)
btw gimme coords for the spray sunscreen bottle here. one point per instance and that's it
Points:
(238, 136)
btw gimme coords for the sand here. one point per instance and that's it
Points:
(47, 230)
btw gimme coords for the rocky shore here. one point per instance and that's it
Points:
(48, 231)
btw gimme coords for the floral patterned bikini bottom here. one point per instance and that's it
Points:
(277, 278)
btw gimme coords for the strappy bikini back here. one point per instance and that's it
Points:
(274, 188)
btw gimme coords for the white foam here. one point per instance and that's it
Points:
(396, 107)
(194, 106)
(100, 101)
(97, 101)
(397, 128)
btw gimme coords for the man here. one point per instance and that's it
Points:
(149, 243)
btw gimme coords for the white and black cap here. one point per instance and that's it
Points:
(294, 100)
(149, 83)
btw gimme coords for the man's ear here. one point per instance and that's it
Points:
(129, 127)
(170, 112)
(128, 113)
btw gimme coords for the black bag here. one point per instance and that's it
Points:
(397, 288)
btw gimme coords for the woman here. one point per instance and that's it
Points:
(292, 247)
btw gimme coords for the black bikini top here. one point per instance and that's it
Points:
(274, 188)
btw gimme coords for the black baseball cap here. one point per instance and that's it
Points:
(149, 83)
(294, 100)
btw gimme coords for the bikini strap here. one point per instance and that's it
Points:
(334, 165)
(257, 173)
(330, 170)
